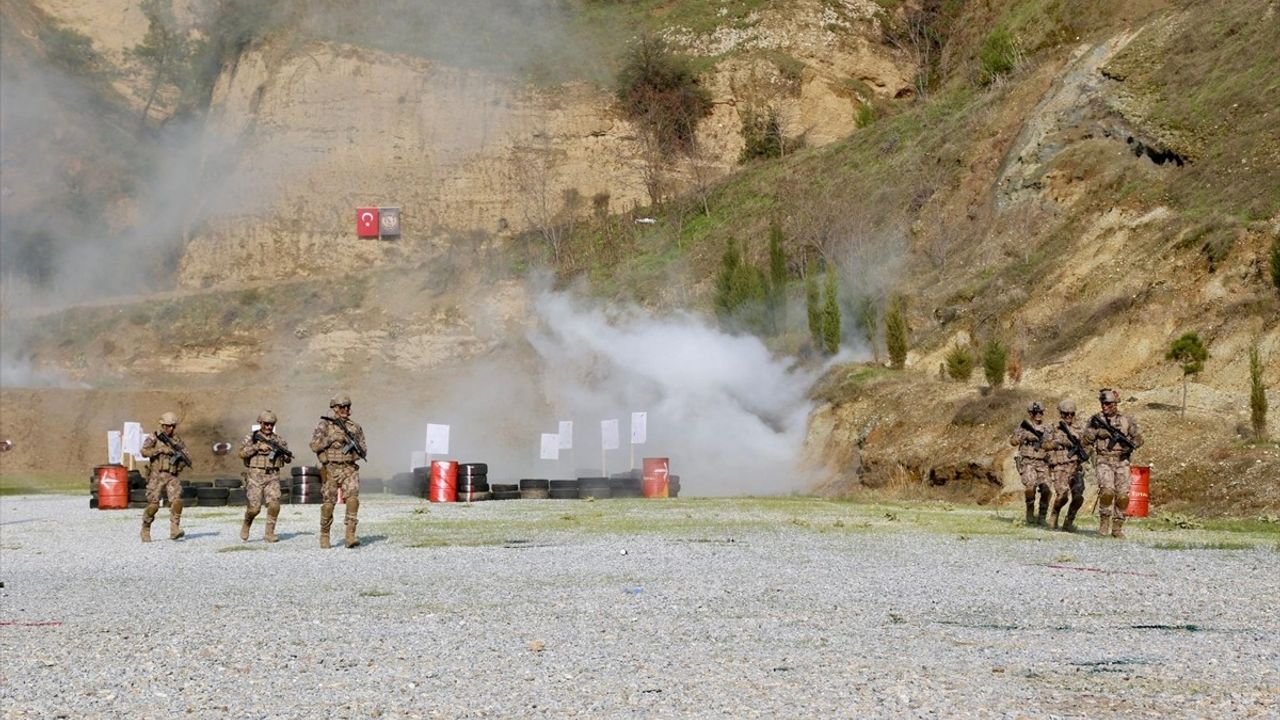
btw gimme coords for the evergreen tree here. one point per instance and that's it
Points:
(895, 332)
(995, 360)
(959, 363)
(777, 279)
(1190, 353)
(729, 263)
(831, 315)
(1257, 394)
(813, 308)
(867, 321)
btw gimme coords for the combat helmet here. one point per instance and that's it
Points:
(267, 417)
(168, 419)
(1067, 407)
(1107, 395)
(1034, 408)
(339, 400)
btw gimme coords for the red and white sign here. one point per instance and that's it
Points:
(367, 222)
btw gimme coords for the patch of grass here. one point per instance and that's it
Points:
(375, 593)
(44, 483)
(1210, 545)
(238, 548)
(844, 383)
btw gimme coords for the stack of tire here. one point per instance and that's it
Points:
(218, 492)
(595, 487)
(535, 489)
(473, 482)
(304, 485)
(499, 491)
(673, 486)
(627, 484)
(137, 490)
(419, 482)
(563, 490)
(369, 486)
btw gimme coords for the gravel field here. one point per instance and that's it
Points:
(725, 608)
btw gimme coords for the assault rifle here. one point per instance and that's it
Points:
(1077, 448)
(352, 446)
(179, 455)
(1031, 429)
(1101, 423)
(276, 450)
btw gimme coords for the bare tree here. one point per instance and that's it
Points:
(537, 179)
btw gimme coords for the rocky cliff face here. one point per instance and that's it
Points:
(299, 137)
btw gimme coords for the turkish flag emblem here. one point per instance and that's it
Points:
(367, 222)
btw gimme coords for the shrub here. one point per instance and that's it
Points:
(660, 92)
(761, 135)
(865, 116)
(959, 363)
(995, 360)
(998, 56)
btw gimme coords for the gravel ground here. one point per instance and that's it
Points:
(775, 619)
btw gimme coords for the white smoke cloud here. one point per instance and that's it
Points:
(730, 416)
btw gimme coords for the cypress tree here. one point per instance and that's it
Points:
(831, 315)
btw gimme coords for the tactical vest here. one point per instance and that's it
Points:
(333, 453)
(1108, 447)
(1028, 449)
(1061, 452)
(262, 460)
(164, 462)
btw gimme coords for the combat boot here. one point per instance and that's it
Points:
(1104, 526)
(353, 508)
(175, 521)
(1044, 505)
(1117, 528)
(148, 516)
(273, 512)
(326, 521)
(1076, 501)
(247, 525)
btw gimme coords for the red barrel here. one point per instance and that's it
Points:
(654, 484)
(1139, 491)
(113, 487)
(443, 485)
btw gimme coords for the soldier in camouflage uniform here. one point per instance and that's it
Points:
(264, 453)
(168, 457)
(339, 442)
(1066, 457)
(1033, 461)
(1112, 447)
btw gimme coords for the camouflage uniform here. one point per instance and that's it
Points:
(263, 478)
(162, 476)
(339, 470)
(1033, 464)
(1112, 463)
(1065, 468)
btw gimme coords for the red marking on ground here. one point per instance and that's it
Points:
(1099, 570)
